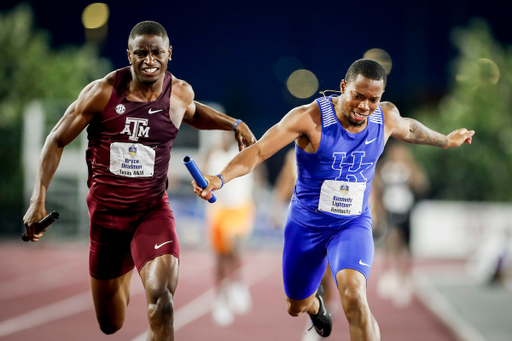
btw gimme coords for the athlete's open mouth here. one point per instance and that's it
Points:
(150, 71)
(358, 116)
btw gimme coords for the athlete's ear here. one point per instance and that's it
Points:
(128, 54)
(343, 86)
(170, 52)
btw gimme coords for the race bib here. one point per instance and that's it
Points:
(341, 197)
(133, 160)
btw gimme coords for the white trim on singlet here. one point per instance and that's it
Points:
(328, 115)
(376, 117)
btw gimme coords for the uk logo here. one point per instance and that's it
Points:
(351, 167)
(120, 109)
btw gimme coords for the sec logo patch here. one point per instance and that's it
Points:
(120, 109)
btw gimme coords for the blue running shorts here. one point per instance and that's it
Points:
(307, 249)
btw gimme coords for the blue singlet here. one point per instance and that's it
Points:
(329, 218)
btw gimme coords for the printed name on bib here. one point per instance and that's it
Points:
(342, 198)
(132, 160)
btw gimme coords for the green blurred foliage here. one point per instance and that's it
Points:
(31, 70)
(478, 99)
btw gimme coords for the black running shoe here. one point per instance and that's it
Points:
(322, 321)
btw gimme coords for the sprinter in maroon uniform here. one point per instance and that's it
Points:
(132, 117)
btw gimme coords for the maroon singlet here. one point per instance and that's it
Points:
(130, 148)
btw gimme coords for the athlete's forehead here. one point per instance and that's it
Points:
(148, 41)
(366, 85)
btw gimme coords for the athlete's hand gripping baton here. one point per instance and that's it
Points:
(42, 224)
(197, 175)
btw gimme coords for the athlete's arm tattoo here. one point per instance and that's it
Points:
(420, 134)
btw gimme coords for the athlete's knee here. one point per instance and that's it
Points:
(160, 305)
(295, 308)
(110, 319)
(294, 311)
(353, 300)
(109, 326)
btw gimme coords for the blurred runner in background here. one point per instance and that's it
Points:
(230, 220)
(403, 181)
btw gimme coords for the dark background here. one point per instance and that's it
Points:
(227, 50)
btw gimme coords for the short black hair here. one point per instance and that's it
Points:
(368, 68)
(148, 27)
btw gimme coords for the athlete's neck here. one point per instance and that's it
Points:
(345, 119)
(144, 92)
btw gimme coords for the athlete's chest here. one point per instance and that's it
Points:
(138, 121)
(350, 157)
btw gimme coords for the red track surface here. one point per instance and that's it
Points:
(45, 295)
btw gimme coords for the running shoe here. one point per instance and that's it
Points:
(221, 312)
(322, 321)
(239, 298)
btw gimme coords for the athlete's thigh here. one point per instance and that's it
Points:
(111, 298)
(304, 260)
(352, 247)
(109, 252)
(155, 236)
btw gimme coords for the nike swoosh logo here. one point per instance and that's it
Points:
(159, 246)
(363, 263)
(368, 142)
(151, 112)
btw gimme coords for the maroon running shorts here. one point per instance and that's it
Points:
(121, 239)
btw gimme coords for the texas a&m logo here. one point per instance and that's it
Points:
(351, 166)
(136, 127)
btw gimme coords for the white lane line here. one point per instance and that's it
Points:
(73, 305)
(67, 307)
(202, 304)
(440, 306)
(47, 279)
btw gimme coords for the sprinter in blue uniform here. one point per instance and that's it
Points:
(338, 141)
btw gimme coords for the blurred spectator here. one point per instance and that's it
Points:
(230, 220)
(402, 181)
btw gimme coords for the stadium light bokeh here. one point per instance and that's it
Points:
(488, 70)
(95, 15)
(302, 83)
(382, 57)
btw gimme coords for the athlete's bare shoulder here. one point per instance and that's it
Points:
(95, 96)
(307, 123)
(303, 115)
(391, 117)
(312, 111)
(391, 113)
(182, 91)
(388, 106)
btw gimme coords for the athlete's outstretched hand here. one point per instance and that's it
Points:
(244, 136)
(214, 183)
(459, 136)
